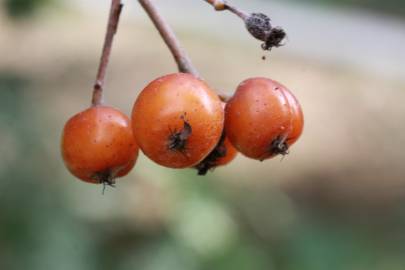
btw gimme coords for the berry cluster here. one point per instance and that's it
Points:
(178, 121)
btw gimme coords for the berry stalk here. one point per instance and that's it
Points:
(112, 25)
(183, 61)
(258, 24)
(180, 56)
(220, 5)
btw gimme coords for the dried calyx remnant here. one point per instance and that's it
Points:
(259, 26)
(279, 146)
(210, 162)
(178, 138)
(106, 178)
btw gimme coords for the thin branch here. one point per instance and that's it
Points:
(180, 56)
(220, 5)
(115, 12)
(258, 24)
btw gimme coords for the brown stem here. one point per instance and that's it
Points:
(257, 24)
(115, 12)
(224, 5)
(180, 56)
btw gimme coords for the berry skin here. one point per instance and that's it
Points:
(177, 120)
(98, 145)
(263, 118)
(297, 121)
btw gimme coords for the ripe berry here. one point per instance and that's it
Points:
(263, 118)
(98, 145)
(222, 154)
(177, 120)
(297, 121)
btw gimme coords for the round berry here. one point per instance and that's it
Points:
(263, 118)
(177, 120)
(98, 145)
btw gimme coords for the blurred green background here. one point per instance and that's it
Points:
(336, 202)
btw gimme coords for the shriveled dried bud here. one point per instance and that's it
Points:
(258, 25)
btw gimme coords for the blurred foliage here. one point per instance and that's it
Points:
(21, 9)
(36, 231)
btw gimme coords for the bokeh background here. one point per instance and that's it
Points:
(336, 202)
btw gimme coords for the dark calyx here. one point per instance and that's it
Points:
(106, 178)
(279, 146)
(178, 139)
(210, 161)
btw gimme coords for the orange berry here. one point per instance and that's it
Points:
(98, 145)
